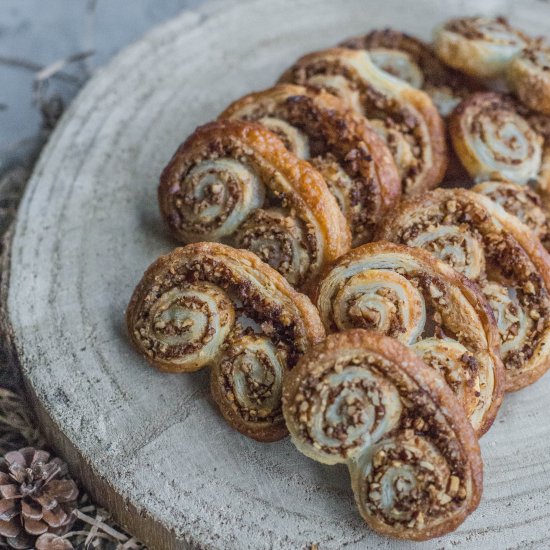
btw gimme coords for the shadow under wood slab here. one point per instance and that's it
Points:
(150, 446)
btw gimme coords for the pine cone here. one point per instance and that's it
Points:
(35, 497)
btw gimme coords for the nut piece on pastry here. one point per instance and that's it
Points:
(493, 140)
(317, 126)
(477, 237)
(207, 304)
(408, 294)
(235, 182)
(415, 62)
(529, 77)
(479, 46)
(364, 399)
(403, 116)
(522, 202)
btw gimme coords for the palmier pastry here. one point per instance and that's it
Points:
(522, 202)
(405, 117)
(493, 140)
(478, 238)
(364, 399)
(235, 182)
(415, 62)
(355, 162)
(529, 77)
(207, 304)
(408, 294)
(479, 46)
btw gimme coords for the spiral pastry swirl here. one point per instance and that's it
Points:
(516, 269)
(407, 294)
(185, 326)
(457, 365)
(230, 172)
(248, 377)
(493, 140)
(514, 325)
(207, 304)
(338, 426)
(529, 77)
(407, 118)
(415, 62)
(479, 46)
(382, 300)
(522, 202)
(364, 399)
(397, 63)
(277, 239)
(341, 145)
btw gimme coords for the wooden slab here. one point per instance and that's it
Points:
(150, 446)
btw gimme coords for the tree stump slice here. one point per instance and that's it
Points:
(152, 447)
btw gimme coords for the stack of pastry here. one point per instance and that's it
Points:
(392, 356)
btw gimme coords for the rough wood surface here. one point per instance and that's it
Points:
(152, 446)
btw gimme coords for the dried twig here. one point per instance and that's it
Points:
(52, 106)
(88, 36)
(56, 67)
(97, 523)
(20, 63)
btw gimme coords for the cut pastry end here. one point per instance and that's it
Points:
(366, 400)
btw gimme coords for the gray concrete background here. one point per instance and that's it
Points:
(37, 33)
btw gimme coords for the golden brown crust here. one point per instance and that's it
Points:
(529, 77)
(480, 131)
(207, 304)
(419, 51)
(405, 116)
(216, 185)
(440, 160)
(525, 237)
(540, 124)
(520, 201)
(481, 47)
(446, 86)
(353, 159)
(408, 294)
(395, 405)
(498, 252)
